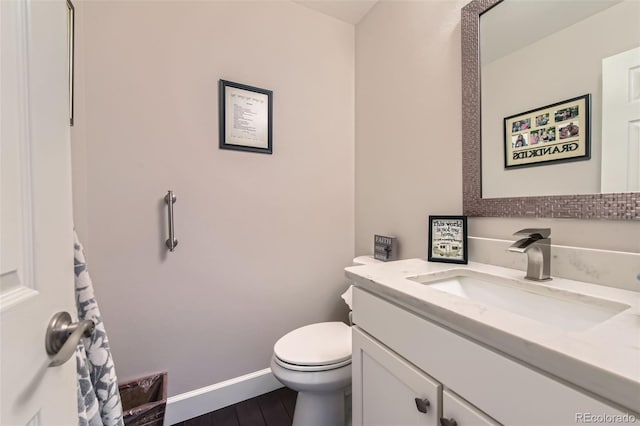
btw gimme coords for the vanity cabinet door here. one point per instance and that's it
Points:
(507, 390)
(458, 412)
(387, 390)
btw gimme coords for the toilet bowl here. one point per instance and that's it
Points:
(315, 361)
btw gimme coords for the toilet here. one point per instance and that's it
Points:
(315, 361)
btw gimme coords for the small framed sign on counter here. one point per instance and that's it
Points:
(448, 239)
(245, 117)
(385, 248)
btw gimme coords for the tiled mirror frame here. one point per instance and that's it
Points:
(615, 206)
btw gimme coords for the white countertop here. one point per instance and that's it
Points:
(603, 359)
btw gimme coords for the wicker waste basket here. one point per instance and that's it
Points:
(144, 400)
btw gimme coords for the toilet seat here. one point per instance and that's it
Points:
(315, 347)
(310, 368)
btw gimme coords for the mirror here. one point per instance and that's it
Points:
(557, 189)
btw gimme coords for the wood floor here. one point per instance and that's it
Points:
(271, 409)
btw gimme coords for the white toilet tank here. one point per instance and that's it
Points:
(365, 260)
(347, 296)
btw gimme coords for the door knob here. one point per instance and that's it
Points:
(63, 336)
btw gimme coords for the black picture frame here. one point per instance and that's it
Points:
(249, 126)
(448, 239)
(71, 42)
(555, 133)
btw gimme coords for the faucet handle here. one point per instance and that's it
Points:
(537, 233)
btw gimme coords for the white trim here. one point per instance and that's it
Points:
(26, 150)
(210, 398)
(17, 140)
(15, 296)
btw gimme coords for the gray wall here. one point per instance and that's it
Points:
(408, 144)
(408, 151)
(263, 238)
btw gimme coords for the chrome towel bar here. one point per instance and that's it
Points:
(170, 199)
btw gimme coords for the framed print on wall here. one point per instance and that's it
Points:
(555, 133)
(448, 239)
(245, 117)
(71, 34)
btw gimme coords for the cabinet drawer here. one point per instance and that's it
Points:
(502, 387)
(464, 414)
(385, 388)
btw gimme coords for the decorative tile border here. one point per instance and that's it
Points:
(614, 206)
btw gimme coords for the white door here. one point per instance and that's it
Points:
(621, 122)
(36, 228)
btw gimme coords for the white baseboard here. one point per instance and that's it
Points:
(210, 398)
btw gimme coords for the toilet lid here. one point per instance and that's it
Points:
(316, 344)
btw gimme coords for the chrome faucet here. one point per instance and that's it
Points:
(536, 244)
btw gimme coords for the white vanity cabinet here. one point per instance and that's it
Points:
(389, 391)
(399, 356)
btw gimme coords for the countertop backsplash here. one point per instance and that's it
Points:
(610, 268)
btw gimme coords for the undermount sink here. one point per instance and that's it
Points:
(563, 309)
